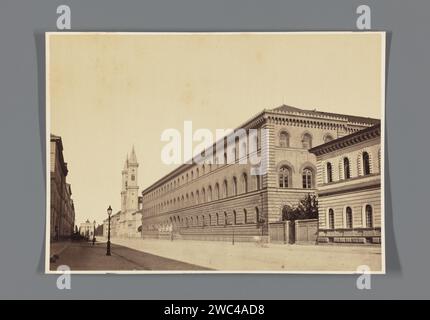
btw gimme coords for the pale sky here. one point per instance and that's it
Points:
(108, 92)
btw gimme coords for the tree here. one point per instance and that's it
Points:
(307, 208)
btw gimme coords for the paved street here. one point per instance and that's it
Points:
(162, 255)
(85, 256)
(224, 256)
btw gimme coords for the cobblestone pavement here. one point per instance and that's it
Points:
(271, 257)
(81, 256)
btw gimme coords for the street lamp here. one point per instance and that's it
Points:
(109, 212)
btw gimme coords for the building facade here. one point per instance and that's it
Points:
(229, 197)
(126, 222)
(349, 188)
(62, 215)
(87, 228)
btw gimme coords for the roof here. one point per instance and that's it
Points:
(256, 120)
(346, 141)
(133, 158)
(315, 112)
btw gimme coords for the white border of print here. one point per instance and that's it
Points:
(48, 151)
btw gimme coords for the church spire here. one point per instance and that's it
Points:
(133, 158)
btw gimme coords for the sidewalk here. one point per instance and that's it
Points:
(56, 248)
(83, 256)
(224, 256)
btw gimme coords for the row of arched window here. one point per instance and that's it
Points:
(306, 140)
(236, 154)
(364, 167)
(227, 189)
(348, 218)
(204, 220)
(285, 177)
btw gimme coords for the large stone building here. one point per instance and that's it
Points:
(349, 188)
(62, 213)
(127, 221)
(223, 199)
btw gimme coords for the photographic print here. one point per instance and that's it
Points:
(239, 152)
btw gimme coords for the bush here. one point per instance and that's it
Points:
(307, 208)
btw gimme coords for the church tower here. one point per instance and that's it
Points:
(131, 186)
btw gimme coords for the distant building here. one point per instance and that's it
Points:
(349, 188)
(62, 213)
(127, 221)
(86, 229)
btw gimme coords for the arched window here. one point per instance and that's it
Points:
(346, 168)
(243, 150)
(245, 216)
(244, 183)
(192, 175)
(217, 218)
(284, 177)
(236, 148)
(369, 216)
(307, 177)
(210, 193)
(328, 138)
(348, 218)
(225, 189)
(330, 219)
(225, 157)
(307, 141)
(225, 218)
(329, 172)
(234, 186)
(257, 181)
(216, 191)
(197, 197)
(284, 139)
(203, 195)
(257, 215)
(203, 220)
(366, 163)
(234, 217)
(197, 172)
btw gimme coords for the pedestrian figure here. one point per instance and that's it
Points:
(94, 240)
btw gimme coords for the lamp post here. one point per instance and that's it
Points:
(109, 212)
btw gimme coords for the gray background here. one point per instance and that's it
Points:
(22, 147)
